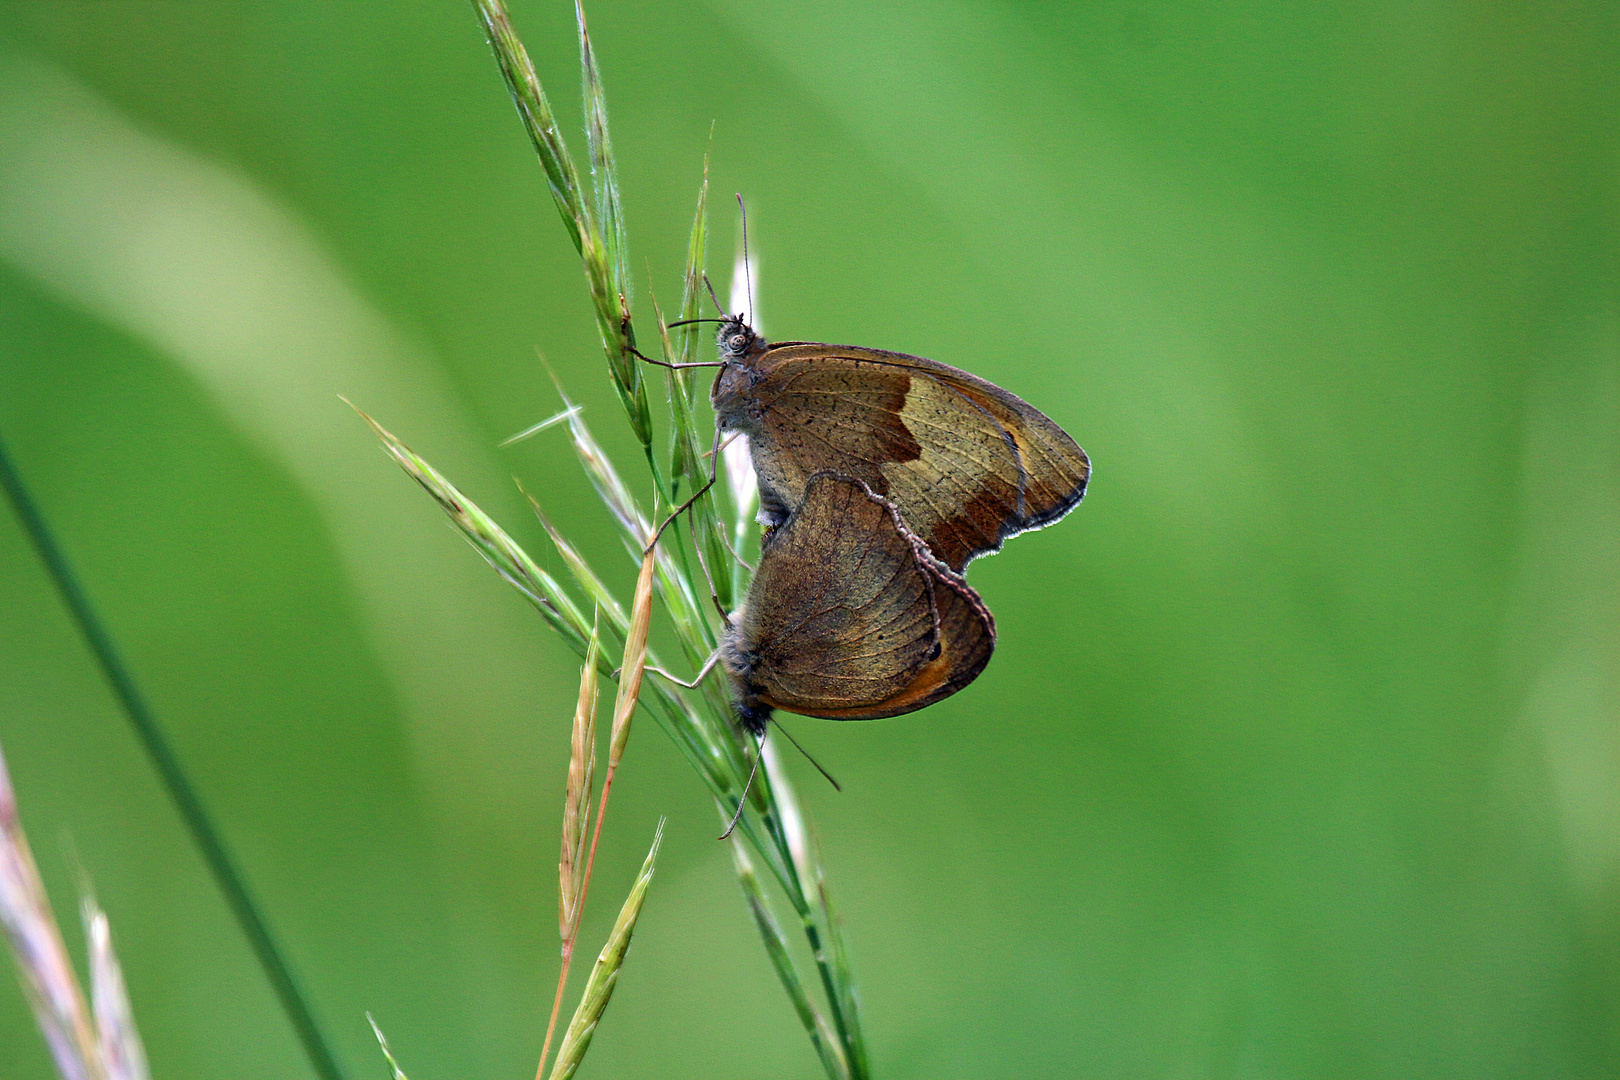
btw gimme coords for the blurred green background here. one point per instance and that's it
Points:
(1300, 753)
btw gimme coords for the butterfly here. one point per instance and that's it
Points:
(850, 617)
(966, 463)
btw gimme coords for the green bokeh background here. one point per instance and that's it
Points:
(1300, 752)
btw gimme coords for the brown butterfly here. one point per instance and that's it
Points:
(966, 463)
(849, 617)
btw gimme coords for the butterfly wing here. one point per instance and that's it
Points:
(967, 463)
(848, 617)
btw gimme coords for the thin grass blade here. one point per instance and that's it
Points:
(605, 973)
(583, 574)
(48, 981)
(618, 334)
(776, 947)
(121, 1048)
(808, 895)
(686, 727)
(492, 542)
(844, 977)
(398, 1073)
(605, 259)
(686, 613)
(739, 461)
(550, 421)
(613, 491)
(692, 289)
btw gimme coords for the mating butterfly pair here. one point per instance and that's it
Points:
(881, 476)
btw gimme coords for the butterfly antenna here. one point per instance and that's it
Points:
(759, 752)
(836, 785)
(718, 306)
(748, 274)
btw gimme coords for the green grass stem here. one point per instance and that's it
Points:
(198, 822)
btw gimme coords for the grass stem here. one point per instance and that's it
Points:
(155, 741)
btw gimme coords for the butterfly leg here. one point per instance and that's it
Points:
(759, 752)
(703, 564)
(678, 511)
(714, 475)
(714, 471)
(708, 666)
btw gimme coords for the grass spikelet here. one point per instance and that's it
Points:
(576, 803)
(538, 120)
(602, 256)
(605, 267)
(634, 667)
(604, 169)
(491, 541)
(632, 671)
(583, 574)
(605, 973)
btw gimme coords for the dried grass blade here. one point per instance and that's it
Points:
(633, 670)
(577, 802)
(635, 662)
(605, 973)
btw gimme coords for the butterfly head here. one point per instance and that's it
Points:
(737, 339)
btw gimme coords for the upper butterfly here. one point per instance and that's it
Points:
(966, 463)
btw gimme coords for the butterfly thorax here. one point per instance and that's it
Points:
(737, 407)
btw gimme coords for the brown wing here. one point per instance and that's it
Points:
(849, 618)
(967, 463)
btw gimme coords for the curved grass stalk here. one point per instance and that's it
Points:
(772, 827)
